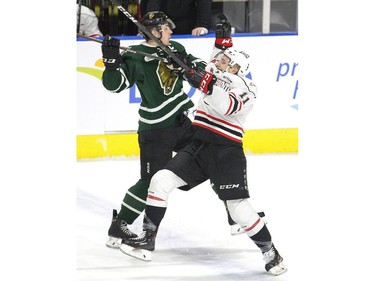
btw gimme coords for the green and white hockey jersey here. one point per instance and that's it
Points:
(161, 90)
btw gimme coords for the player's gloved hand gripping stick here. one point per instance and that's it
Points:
(111, 52)
(192, 73)
(202, 80)
(197, 77)
(130, 50)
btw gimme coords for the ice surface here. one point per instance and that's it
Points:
(194, 241)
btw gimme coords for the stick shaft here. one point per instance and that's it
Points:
(149, 34)
(125, 48)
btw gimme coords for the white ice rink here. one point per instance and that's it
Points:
(317, 226)
(194, 241)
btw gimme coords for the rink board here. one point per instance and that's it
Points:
(114, 145)
(107, 122)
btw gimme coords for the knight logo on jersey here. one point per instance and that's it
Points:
(167, 78)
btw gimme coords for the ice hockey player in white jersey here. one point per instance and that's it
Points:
(227, 97)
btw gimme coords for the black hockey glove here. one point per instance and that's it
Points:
(223, 33)
(194, 76)
(111, 52)
(174, 66)
(201, 79)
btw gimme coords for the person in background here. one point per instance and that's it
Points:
(87, 22)
(190, 16)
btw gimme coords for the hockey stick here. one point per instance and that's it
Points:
(156, 40)
(149, 34)
(79, 15)
(126, 49)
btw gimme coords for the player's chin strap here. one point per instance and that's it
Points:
(149, 34)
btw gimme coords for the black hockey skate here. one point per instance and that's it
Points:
(145, 241)
(117, 231)
(141, 246)
(274, 262)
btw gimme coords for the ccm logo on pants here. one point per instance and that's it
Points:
(229, 186)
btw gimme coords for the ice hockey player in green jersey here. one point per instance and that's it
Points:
(163, 126)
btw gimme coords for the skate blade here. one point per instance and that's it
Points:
(140, 254)
(113, 242)
(278, 269)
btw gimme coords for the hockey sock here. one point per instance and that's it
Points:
(262, 239)
(153, 216)
(134, 201)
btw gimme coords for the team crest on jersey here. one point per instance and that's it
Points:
(167, 78)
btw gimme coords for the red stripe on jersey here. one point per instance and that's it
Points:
(155, 198)
(220, 120)
(254, 225)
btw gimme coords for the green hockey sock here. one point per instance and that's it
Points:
(134, 201)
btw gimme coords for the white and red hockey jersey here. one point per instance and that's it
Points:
(220, 117)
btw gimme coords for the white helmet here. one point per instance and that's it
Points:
(239, 58)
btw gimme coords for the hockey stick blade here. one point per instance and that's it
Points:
(140, 254)
(129, 50)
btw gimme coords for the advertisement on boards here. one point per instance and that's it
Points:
(274, 69)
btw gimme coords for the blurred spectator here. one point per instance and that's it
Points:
(190, 16)
(87, 22)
